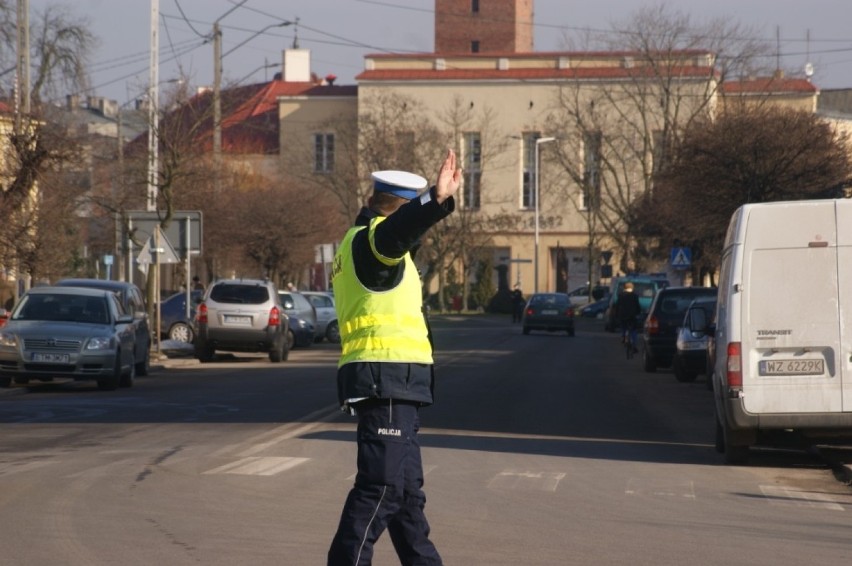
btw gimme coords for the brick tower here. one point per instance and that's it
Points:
(483, 26)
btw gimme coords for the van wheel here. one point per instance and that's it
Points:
(5, 381)
(734, 454)
(526, 330)
(648, 363)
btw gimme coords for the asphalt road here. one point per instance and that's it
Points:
(540, 450)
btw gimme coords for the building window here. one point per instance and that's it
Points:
(591, 170)
(474, 6)
(529, 172)
(472, 170)
(474, 46)
(323, 153)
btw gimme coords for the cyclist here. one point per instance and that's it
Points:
(627, 310)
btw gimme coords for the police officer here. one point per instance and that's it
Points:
(385, 369)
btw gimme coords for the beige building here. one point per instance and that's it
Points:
(555, 145)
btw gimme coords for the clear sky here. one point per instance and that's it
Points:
(340, 32)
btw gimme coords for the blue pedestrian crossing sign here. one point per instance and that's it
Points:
(681, 258)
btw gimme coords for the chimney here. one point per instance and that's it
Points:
(296, 65)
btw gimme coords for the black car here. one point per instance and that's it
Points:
(549, 311)
(133, 302)
(659, 333)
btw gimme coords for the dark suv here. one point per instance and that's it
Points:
(241, 315)
(659, 333)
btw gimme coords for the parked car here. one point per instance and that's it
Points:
(68, 332)
(645, 287)
(327, 326)
(659, 333)
(690, 359)
(297, 304)
(596, 309)
(300, 332)
(174, 323)
(241, 315)
(580, 295)
(133, 301)
(548, 311)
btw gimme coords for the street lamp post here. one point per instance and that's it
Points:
(538, 143)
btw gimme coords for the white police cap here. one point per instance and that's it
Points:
(399, 183)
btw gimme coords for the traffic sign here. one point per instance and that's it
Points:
(681, 258)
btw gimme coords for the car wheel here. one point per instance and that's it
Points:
(22, 380)
(571, 331)
(648, 362)
(111, 383)
(204, 352)
(332, 333)
(5, 381)
(181, 332)
(276, 354)
(128, 378)
(681, 374)
(291, 339)
(526, 330)
(144, 367)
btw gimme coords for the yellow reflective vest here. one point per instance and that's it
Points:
(378, 326)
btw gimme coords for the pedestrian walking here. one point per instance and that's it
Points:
(518, 303)
(385, 373)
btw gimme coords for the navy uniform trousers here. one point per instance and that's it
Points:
(388, 489)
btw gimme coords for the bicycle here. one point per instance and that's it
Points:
(628, 338)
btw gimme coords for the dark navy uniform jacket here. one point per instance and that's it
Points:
(399, 234)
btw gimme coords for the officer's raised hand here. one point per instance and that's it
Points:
(449, 178)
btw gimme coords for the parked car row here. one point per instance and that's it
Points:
(93, 329)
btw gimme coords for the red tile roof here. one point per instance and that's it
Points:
(249, 114)
(527, 74)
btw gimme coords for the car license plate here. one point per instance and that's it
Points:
(791, 367)
(241, 320)
(550, 311)
(52, 358)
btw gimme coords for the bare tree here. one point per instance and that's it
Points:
(747, 154)
(617, 135)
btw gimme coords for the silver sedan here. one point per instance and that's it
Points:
(68, 332)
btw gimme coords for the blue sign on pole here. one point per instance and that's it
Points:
(681, 258)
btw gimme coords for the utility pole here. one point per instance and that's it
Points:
(217, 97)
(22, 100)
(153, 110)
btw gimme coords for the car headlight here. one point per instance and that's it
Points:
(8, 340)
(100, 343)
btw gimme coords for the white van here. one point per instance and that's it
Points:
(783, 336)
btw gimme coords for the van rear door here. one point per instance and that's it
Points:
(844, 265)
(791, 356)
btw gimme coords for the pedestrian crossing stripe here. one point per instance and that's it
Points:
(259, 466)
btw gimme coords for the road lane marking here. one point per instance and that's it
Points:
(789, 497)
(660, 488)
(259, 466)
(527, 481)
